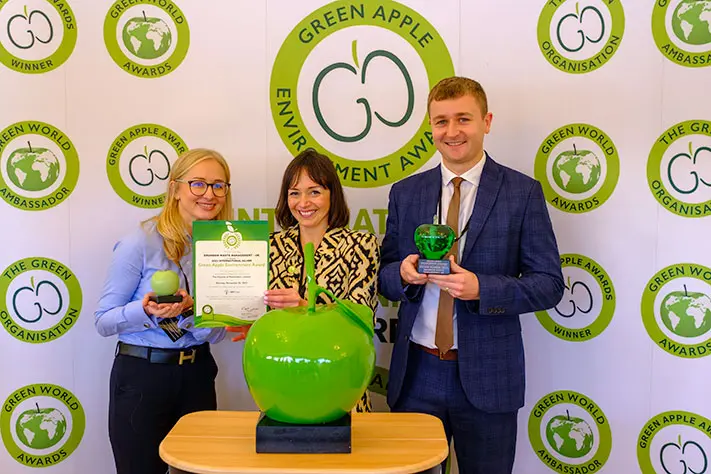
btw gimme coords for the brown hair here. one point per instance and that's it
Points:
(321, 170)
(456, 87)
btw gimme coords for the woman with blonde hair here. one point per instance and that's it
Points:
(163, 367)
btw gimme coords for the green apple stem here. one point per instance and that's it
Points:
(32, 282)
(685, 293)
(691, 150)
(354, 52)
(568, 281)
(311, 286)
(144, 15)
(38, 408)
(26, 16)
(577, 8)
(29, 145)
(567, 413)
(575, 150)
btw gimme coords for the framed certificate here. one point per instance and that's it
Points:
(230, 271)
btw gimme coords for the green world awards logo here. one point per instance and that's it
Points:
(36, 36)
(682, 31)
(580, 36)
(41, 300)
(41, 424)
(675, 442)
(39, 166)
(578, 167)
(588, 301)
(139, 161)
(570, 433)
(352, 79)
(679, 169)
(148, 38)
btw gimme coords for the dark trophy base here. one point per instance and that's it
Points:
(323, 438)
(433, 267)
(166, 299)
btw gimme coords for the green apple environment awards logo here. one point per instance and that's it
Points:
(679, 168)
(588, 301)
(675, 442)
(41, 424)
(578, 167)
(149, 38)
(580, 36)
(40, 300)
(39, 166)
(138, 163)
(569, 432)
(682, 31)
(352, 79)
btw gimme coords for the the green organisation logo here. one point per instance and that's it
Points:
(676, 310)
(351, 79)
(580, 36)
(40, 299)
(39, 166)
(36, 36)
(570, 433)
(41, 424)
(675, 442)
(682, 31)
(679, 168)
(588, 302)
(578, 167)
(147, 38)
(139, 161)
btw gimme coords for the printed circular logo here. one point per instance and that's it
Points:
(569, 432)
(679, 168)
(352, 79)
(676, 310)
(675, 442)
(36, 36)
(139, 161)
(580, 36)
(41, 300)
(578, 167)
(41, 424)
(39, 166)
(147, 39)
(682, 31)
(588, 301)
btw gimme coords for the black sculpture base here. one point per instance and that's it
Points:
(166, 299)
(324, 438)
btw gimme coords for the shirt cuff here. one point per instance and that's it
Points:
(136, 318)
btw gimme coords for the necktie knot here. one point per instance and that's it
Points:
(457, 182)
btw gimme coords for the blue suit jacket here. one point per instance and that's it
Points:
(511, 248)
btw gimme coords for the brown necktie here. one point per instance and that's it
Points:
(444, 335)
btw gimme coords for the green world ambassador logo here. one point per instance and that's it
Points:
(138, 163)
(578, 167)
(41, 300)
(149, 38)
(36, 36)
(675, 442)
(580, 36)
(677, 170)
(339, 109)
(682, 31)
(588, 302)
(41, 424)
(570, 433)
(39, 166)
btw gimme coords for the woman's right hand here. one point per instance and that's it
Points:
(163, 310)
(283, 298)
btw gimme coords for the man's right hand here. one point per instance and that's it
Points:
(408, 271)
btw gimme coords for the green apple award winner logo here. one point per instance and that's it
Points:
(138, 163)
(682, 31)
(41, 300)
(580, 36)
(352, 79)
(41, 424)
(148, 38)
(570, 433)
(578, 167)
(675, 442)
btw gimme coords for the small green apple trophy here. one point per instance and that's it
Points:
(165, 283)
(306, 368)
(434, 241)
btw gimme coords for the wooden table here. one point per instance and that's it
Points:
(222, 442)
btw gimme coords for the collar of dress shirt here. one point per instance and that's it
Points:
(473, 175)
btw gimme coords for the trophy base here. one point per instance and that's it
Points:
(322, 438)
(166, 299)
(433, 267)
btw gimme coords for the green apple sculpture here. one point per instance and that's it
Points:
(165, 283)
(308, 365)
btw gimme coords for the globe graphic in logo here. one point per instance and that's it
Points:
(691, 21)
(41, 428)
(569, 436)
(686, 314)
(576, 171)
(147, 37)
(33, 169)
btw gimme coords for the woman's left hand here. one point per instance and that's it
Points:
(283, 298)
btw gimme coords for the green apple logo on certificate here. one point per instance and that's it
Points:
(231, 269)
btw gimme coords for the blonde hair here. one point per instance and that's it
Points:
(456, 87)
(169, 223)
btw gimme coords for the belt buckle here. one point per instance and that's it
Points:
(442, 354)
(184, 357)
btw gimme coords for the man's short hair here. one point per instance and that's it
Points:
(456, 87)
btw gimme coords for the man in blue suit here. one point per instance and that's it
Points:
(458, 354)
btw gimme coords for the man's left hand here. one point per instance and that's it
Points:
(460, 283)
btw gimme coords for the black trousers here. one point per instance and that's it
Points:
(147, 399)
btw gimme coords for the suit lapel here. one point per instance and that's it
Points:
(489, 185)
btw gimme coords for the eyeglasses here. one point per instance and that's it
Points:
(199, 187)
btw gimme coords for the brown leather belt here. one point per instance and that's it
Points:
(449, 355)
